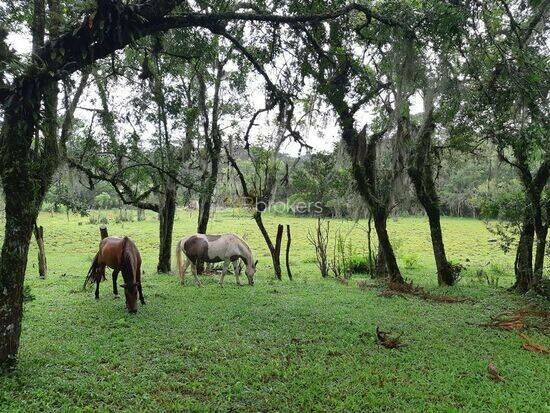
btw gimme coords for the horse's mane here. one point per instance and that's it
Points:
(126, 263)
(243, 243)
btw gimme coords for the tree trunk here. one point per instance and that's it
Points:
(25, 177)
(524, 258)
(274, 250)
(42, 265)
(380, 270)
(380, 220)
(205, 202)
(13, 263)
(167, 213)
(540, 252)
(444, 270)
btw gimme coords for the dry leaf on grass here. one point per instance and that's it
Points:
(493, 373)
(385, 340)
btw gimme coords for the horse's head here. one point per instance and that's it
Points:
(131, 293)
(250, 271)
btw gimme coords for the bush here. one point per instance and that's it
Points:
(28, 296)
(360, 264)
(410, 261)
(96, 219)
(124, 216)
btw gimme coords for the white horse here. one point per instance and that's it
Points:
(215, 248)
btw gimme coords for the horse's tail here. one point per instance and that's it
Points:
(93, 276)
(179, 256)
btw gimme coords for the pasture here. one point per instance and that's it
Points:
(278, 346)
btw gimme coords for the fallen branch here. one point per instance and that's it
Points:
(530, 345)
(520, 319)
(410, 289)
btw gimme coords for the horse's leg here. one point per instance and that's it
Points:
(236, 270)
(140, 291)
(100, 275)
(115, 286)
(183, 270)
(224, 271)
(194, 271)
(138, 279)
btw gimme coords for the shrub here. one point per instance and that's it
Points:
(360, 264)
(96, 219)
(28, 296)
(124, 216)
(410, 261)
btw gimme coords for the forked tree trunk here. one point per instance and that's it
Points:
(42, 264)
(167, 213)
(274, 250)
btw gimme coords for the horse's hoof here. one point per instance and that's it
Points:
(97, 298)
(116, 296)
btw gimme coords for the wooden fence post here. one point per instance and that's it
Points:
(42, 265)
(103, 231)
(288, 240)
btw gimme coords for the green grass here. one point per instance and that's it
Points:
(286, 346)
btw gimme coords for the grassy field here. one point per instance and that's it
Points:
(278, 346)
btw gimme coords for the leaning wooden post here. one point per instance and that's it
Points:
(42, 265)
(288, 240)
(277, 252)
(103, 231)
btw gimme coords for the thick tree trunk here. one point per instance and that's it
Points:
(380, 220)
(167, 213)
(25, 178)
(13, 263)
(540, 253)
(205, 203)
(424, 185)
(380, 270)
(444, 270)
(42, 264)
(524, 258)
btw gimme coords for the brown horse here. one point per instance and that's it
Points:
(122, 255)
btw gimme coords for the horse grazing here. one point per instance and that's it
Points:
(202, 248)
(122, 255)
